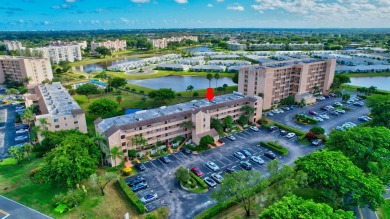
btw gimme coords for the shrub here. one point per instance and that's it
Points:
(303, 119)
(151, 216)
(133, 89)
(127, 171)
(71, 198)
(199, 181)
(362, 96)
(127, 88)
(132, 153)
(33, 172)
(133, 198)
(317, 130)
(311, 136)
(141, 92)
(276, 147)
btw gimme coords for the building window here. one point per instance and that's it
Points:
(57, 126)
(76, 122)
(123, 136)
(55, 120)
(64, 118)
(74, 116)
(123, 143)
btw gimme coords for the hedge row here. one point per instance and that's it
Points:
(278, 148)
(362, 96)
(308, 120)
(133, 198)
(220, 206)
(200, 181)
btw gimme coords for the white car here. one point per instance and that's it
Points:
(257, 159)
(324, 116)
(239, 155)
(254, 128)
(275, 111)
(21, 131)
(340, 111)
(149, 197)
(212, 166)
(290, 135)
(216, 177)
(281, 111)
(318, 118)
(231, 137)
(338, 104)
(15, 103)
(21, 138)
(210, 182)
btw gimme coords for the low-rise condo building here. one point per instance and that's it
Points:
(165, 123)
(19, 68)
(13, 45)
(276, 81)
(113, 46)
(82, 44)
(163, 43)
(57, 107)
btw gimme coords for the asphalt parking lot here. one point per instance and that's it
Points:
(160, 176)
(287, 117)
(7, 128)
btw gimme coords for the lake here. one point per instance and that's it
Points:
(102, 65)
(199, 49)
(382, 83)
(180, 83)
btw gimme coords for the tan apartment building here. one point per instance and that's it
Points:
(113, 46)
(58, 53)
(276, 81)
(18, 68)
(164, 124)
(13, 45)
(57, 106)
(163, 43)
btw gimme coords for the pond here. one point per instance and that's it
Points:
(102, 65)
(180, 83)
(132, 110)
(382, 83)
(199, 49)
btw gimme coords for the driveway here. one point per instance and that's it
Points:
(287, 117)
(13, 210)
(182, 204)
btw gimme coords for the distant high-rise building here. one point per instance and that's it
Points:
(113, 46)
(82, 44)
(13, 45)
(278, 80)
(60, 52)
(19, 68)
(163, 43)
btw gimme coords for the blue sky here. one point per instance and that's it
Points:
(145, 14)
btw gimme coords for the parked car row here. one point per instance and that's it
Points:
(324, 97)
(138, 184)
(282, 110)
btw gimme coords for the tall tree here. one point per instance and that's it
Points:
(101, 181)
(248, 110)
(235, 78)
(103, 106)
(190, 88)
(11, 91)
(187, 125)
(116, 153)
(162, 94)
(117, 82)
(119, 99)
(102, 142)
(216, 77)
(340, 181)
(238, 186)
(381, 114)
(27, 80)
(139, 141)
(367, 147)
(73, 160)
(103, 51)
(292, 207)
(27, 147)
(87, 89)
(209, 77)
(28, 116)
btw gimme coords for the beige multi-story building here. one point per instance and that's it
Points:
(57, 106)
(82, 44)
(276, 81)
(19, 68)
(163, 43)
(13, 45)
(113, 46)
(59, 53)
(164, 124)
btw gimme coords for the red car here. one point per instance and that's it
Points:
(197, 171)
(313, 113)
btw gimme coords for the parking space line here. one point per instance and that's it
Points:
(176, 156)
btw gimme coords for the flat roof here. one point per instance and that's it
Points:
(167, 111)
(57, 100)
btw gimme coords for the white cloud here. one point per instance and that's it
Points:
(181, 1)
(46, 22)
(220, 0)
(21, 21)
(98, 10)
(210, 5)
(70, 0)
(95, 22)
(124, 20)
(63, 6)
(235, 7)
(140, 1)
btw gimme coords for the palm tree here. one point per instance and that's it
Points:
(119, 99)
(138, 140)
(26, 80)
(216, 77)
(187, 125)
(248, 110)
(27, 116)
(27, 147)
(115, 153)
(44, 123)
(101, 141)
(316, 89)
(190, 88)
(209, 77)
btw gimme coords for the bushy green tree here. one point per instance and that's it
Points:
(103, 51)
(16, 153)
(317, 130)
(102, 180)
(103, 106)
(162, 94)
(118, 82)
(87, 89)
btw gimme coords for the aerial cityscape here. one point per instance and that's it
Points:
(155, 109)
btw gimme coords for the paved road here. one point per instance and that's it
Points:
(351, 116)
(181, 204)
(12, 210)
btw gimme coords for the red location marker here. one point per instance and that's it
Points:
(209, 95)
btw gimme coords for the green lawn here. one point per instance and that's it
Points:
(384, 211)
(372, 74)
(17, 185)
(352, 88)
